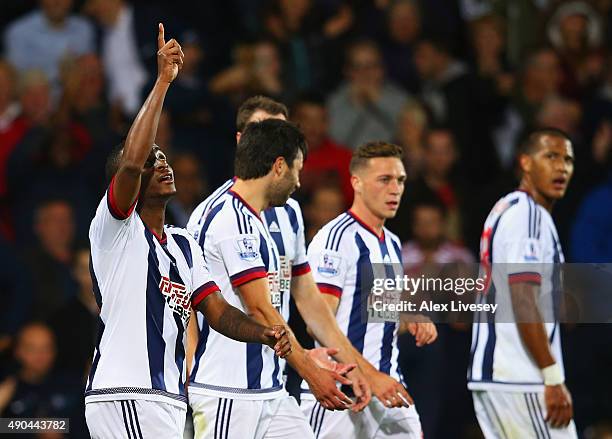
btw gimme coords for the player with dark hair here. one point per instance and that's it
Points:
(516, 369)
(344, 252)
(146, 277)
(249, 400)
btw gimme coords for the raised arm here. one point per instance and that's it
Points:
(141, 136)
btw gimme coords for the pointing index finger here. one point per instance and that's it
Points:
(160, 37)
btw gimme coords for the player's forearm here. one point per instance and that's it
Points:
(142, 133)
(323, 327)
(529, 323)
(229, 321)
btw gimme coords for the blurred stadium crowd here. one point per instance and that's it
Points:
(455, 83)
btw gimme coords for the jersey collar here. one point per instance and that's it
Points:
(380, 237)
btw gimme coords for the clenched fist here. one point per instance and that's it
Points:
(169, 57)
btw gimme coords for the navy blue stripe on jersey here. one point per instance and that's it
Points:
(95, 285)
(293, 219)
(363, 284)
(217, 417)
(96, 360)
(183, 245)
(155, 305)
(248, 226)
(277, 236)
(340, 233)
(200, 349)
(263, 250)
(239, 217)
(207, 222)
(487, 359)
(229, 417)
(533, 417)
(556, 282)
(221, 190)
(386, 348)
(136, 419)
(536, 403)
(125, 421)
(179, 345)
(254, 365)
(331, 236)
(398, 250)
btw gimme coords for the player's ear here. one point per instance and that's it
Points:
(356, 183)
(279, 166)
(526, 162)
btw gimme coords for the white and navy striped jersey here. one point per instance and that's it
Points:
(341, 256)
(519, 244)
(145, 287)
(237, 248)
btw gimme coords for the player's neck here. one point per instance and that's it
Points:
(154, 217)
(528, 187)
(360, 210)
(253, 192)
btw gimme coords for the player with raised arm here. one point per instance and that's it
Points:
(146, 278)
(516, 369)
(286, 227)
(342, 255)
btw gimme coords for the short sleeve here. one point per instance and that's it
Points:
(242, 257)
(200, 276)
(300, 263)
(518, 244)
(110, 224)
(329, 266)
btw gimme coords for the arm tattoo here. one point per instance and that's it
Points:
(230, 321)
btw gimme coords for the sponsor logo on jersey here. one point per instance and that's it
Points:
(329, 265)
(177, 297)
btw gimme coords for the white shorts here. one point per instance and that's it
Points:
(508, 415)
(375, 422)
(225, 418)
(134, 419)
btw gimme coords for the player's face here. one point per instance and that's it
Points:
(287, 182)
(159, 175)
(551, 167)
(380, 184)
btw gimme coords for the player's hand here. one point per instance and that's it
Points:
(559, 408)
(361, 389)
(322, 358)
(322, 383)
(277, 338)
(169, 57)
(389, 391)
(424, 333)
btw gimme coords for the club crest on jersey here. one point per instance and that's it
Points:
(247, 248)
(329, 265)
(177, 297)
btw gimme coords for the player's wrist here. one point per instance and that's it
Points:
(553, 375)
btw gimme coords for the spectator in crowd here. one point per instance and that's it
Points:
(308, 38)
(397, 46)
(75, 348)
(49, 260)
(446, 91)
(35, 391)
(328, 162)
(366, 106)
(125, 48)
(15, 295)
(437, 183)
(46, 36)
(431, 253)
(191, 187)
(412, 125)
(591, 235)
(575, 31)
(257, 69)
(494, 82)
(429, 243)
(324, 203)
